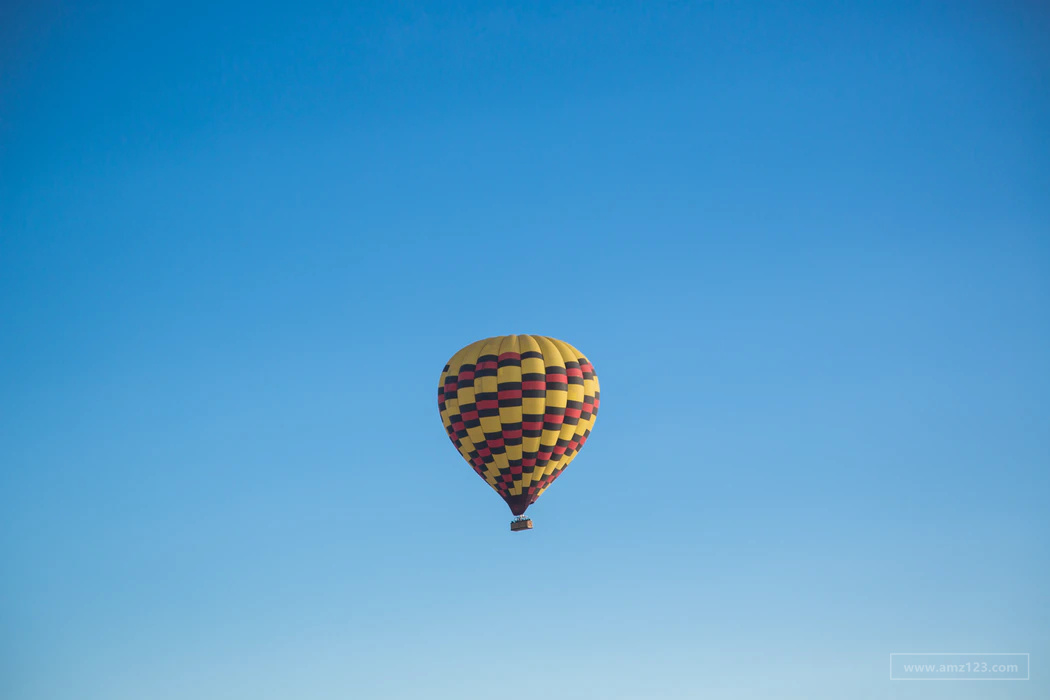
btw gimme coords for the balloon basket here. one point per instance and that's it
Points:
(520, 523)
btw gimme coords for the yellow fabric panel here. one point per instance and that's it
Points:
(491, 425)
(452, 400)
(511, 414)
(466, 356)
(467, 396)
(490, 468)
(590, 389)
(569, 354)
(534, 406)
(590, 386)
(556, 399)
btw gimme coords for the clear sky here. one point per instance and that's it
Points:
(806, 246)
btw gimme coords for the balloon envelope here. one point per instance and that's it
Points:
(519, 408)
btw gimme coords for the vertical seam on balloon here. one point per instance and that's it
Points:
(534, 346)
(500, 488)
(555, 360)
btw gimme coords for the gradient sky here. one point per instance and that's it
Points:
(806, 245)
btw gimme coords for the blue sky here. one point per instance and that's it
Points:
(804, 244)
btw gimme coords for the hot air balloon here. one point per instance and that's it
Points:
(518, 408)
